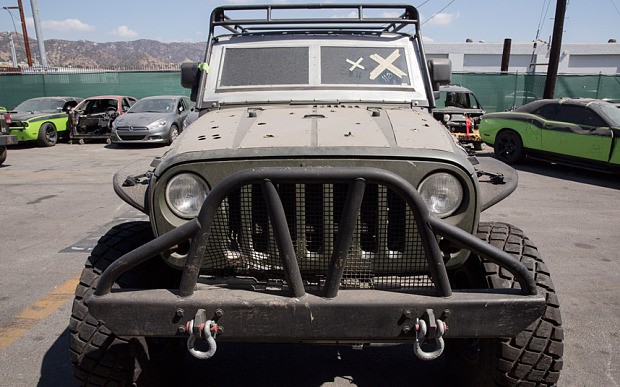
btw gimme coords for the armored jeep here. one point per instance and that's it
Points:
(316, 200)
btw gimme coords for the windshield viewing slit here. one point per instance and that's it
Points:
(336, 65)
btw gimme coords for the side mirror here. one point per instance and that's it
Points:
(440, 70)
(189, 71)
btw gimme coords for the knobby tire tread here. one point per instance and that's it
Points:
(534, 357)
(99, 357)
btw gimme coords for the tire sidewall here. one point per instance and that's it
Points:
(509, 147)
(47, 140)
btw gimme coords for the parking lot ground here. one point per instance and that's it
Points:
(56, 203)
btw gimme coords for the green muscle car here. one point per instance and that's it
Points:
(580, 131)
(41, 119)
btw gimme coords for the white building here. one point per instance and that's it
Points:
(575, 58)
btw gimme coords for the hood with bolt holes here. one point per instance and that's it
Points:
(306, 130)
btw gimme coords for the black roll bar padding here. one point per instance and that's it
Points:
(199, 229)
(477, 246)
(284, 241)
(144, 253)
(344, 238)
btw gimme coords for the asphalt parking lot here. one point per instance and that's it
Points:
(56, 203)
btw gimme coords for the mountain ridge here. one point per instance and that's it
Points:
(141, 53)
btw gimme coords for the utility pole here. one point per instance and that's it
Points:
(24, 31)
(37, 30)
(556, 47)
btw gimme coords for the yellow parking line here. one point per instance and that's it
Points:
(36, 312)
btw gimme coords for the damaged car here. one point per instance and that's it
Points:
(93, 117)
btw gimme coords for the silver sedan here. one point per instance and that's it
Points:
(157, 119)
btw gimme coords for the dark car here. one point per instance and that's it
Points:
(157, 119)
(574, 131)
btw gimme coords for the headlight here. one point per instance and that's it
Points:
(185, 194)
(446, 118)
(442, 193)
(160, 122)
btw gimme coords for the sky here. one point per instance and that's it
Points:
(444, 21)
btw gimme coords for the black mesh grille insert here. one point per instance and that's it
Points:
(386, 251)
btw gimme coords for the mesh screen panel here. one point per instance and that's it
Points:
(386, 251)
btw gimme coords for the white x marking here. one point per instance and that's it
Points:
(356, 64)
(386, 64)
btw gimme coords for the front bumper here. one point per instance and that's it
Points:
(290, 313)
(141, 135)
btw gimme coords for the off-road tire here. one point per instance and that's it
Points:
(48, 135)
(534, 356)
(3, 152)
(508, 147)
(99, 357)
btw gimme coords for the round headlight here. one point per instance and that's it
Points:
(185, 194)
(442, 193)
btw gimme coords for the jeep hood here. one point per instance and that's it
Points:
(315, 129)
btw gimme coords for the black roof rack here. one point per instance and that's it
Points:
(366, 17)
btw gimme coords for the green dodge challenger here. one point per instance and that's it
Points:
(579, 131)
(41, 119)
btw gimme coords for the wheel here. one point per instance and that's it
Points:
(173, 134)
(534, 356)
(508, 147)
(3, 153)
(478, 146)
(48, 136)
(99, 357)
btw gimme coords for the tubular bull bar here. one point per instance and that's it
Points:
(336, 315)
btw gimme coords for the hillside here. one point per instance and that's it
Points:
(86, 54)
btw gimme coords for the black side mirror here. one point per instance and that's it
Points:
(189, 71)
(440, 70)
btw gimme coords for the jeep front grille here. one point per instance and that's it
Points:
(386, 252)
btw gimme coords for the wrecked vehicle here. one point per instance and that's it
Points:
(316, 200)
(459, 109)
(93, 117)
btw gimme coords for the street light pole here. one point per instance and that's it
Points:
(11, 42)
(25, 33)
